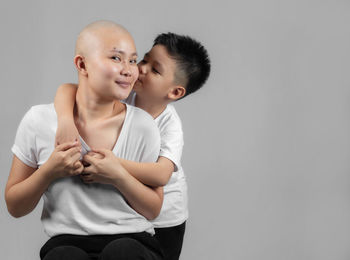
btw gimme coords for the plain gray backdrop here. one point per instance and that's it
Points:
(267, 140)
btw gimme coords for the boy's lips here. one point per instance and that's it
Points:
(139, 80)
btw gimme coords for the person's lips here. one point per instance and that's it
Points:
(124, 84)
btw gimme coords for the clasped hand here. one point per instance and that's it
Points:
(98, 166)
(103, 167)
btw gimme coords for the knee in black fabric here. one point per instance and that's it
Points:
(124, 249)
(66, 253)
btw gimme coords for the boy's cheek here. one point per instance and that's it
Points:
(135, 73)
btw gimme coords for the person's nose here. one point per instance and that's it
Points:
(126, 70)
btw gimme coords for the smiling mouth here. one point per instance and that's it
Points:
(123, 84)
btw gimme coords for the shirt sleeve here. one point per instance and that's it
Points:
(24, 147)
(172, 143)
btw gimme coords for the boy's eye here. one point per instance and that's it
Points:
(133, 61)
(155, 71)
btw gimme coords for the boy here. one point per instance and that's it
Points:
(105, 218)
(175, 67)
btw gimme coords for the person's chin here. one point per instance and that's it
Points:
(123, 93)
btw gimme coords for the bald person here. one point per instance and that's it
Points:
(93, 208)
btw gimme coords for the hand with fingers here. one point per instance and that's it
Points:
(102, 166)
(64, 160)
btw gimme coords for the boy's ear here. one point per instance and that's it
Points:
(79, 62)
(176, 93)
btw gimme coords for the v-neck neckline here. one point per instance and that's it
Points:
(120, 136)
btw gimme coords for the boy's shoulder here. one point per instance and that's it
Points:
(169, 119)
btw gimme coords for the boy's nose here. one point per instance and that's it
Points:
(142, 68)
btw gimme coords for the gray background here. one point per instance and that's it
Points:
(267, 140)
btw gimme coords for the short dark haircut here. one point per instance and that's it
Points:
(192, 60)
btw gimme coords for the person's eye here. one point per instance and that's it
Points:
(116, 58)
(143, 61)
(133, 61)
(155, 71)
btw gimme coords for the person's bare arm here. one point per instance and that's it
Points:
(64, 105)
(26, 185)
(152, 174)
(106, 168)
(145, 200)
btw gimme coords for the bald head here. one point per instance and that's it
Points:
(92, 34)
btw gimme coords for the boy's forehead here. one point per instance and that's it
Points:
(160, 54)
(157, 53)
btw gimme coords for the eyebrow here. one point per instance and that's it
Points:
(122, 52)
(161, 68)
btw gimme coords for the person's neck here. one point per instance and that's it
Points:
(91, 107)
(153, 108)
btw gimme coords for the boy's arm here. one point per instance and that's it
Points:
(158, 174)
(105, 168)
(64, 105)
(152, 174)
(145, 200)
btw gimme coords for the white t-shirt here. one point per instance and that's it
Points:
(175, 205)
(70, 205)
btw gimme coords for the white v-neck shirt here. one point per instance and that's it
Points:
(175, 204)
(70, 205)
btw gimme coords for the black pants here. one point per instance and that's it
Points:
(171, 240)
(102, 247)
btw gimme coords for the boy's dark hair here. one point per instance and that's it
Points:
(193, 64)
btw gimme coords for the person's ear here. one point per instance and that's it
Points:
(79, 62)
(176, 93)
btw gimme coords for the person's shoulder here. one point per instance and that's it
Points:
(39, 115)
(169, 119)
(43, 112)
(43, 109)
(173, 113)
(38, 111)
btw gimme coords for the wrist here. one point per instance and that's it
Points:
(48, 172)
(121, 177)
